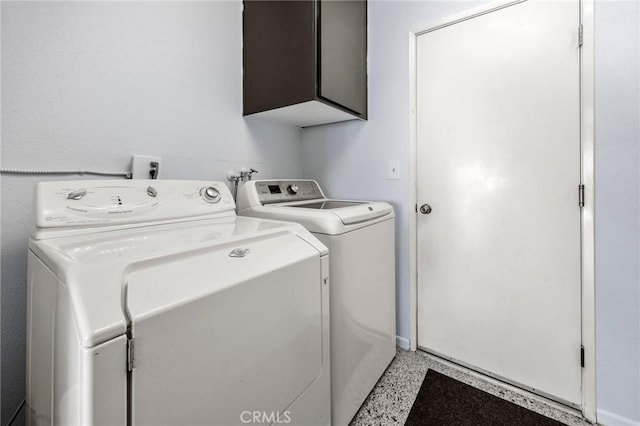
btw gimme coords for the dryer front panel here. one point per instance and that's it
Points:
(221, 334)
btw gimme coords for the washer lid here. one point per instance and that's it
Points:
(328, 204)
(302, 201)
(334, 221)
(94, 267)
(349, 212)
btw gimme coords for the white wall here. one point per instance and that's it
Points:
(85, 85)
(349, 160)
(617, 73)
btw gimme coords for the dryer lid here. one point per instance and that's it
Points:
(229, 322)
(94, 267)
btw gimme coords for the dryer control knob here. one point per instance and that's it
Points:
(210, 194)
(76, 195)
(293, 189)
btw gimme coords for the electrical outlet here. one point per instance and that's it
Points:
(145, 167)
(393, 169)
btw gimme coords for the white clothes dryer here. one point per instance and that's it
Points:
(360, 236)
(150, 302)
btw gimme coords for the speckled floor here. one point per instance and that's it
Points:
(390, 401)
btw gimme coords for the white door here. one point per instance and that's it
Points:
(498, 160)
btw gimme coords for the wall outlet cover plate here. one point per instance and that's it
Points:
(141, 167)
(393, 169)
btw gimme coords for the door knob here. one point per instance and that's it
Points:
(425, 209)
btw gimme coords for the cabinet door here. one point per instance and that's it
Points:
(278, 54)
(343, 54)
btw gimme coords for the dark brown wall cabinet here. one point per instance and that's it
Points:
(305, 62)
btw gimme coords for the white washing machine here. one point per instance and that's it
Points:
(361, 241)
(152, 303)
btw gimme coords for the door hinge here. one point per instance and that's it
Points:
(130, 358)
(580, 36)
(416, 207)
(581, 195)
(581, 356)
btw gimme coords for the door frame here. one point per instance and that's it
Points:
(587, 225)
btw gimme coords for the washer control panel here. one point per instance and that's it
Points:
(282, 191)
(86, 203)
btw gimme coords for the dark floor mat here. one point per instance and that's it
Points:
(443, 401)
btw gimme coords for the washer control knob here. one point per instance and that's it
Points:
(293, 189)
(210, 194)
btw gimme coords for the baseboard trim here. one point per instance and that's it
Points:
(403, 343)
(607, 418)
